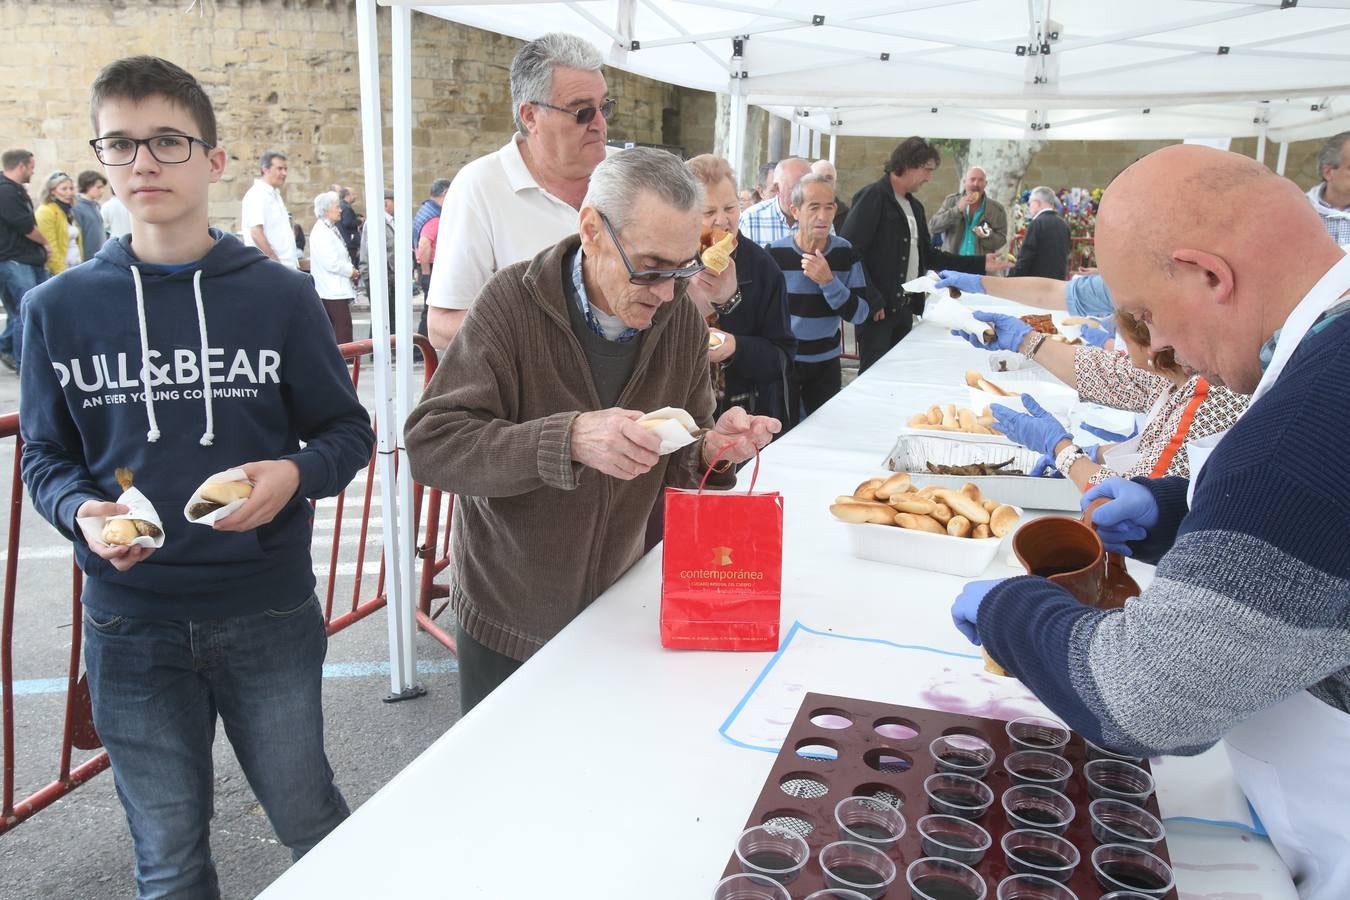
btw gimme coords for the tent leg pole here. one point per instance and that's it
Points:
(1283, 158)
(401, 606)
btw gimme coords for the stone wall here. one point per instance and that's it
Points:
(283, 75)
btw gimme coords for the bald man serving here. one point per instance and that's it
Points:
(1244, 633)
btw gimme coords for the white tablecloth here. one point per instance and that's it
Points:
(598, 771)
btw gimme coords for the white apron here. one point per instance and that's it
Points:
(1124, 456)
(1293, 759)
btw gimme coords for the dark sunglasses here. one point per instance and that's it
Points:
(586, 114)
(651, 276)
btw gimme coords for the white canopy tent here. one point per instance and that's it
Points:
(1042, 69)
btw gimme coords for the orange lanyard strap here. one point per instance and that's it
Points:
(1183, 429)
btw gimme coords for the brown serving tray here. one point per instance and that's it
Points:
(802, 791)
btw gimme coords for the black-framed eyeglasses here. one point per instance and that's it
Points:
(650, 276)
(169, 149)
(586, 114)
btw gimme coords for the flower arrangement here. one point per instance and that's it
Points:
(1079, 208)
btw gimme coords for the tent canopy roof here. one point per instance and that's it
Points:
(980, 68)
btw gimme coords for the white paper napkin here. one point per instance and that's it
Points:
(924, 284)
(140, 508)
(941, 309)
(214, 517)
(674, 433)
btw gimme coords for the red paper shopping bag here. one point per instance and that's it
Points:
(722, 569)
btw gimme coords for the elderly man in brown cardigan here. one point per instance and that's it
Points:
(531, 417)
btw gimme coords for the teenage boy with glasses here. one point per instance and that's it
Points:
(532, 420)
(179, 353)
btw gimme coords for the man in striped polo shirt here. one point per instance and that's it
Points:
(825, 283)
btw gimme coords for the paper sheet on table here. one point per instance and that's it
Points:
(1200, 788)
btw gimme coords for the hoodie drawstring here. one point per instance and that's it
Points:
(152, 435)
(208, 437)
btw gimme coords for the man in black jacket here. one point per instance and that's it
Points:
(889, 230)
(1045, 247)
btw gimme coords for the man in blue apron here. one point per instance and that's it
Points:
(1244, 633)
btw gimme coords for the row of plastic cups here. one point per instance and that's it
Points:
(781, 854)
(779, 857)
(1048, 735)
(1026, 850)
(1107, 776)
(963, 795)
(1043, 809)
(1126, 872)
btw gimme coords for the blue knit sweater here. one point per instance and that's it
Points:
(1251, 600)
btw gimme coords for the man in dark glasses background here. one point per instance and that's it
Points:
(507, 206)
(531, 419)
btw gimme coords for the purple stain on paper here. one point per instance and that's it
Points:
(1216, 867)
(976, 695)
(1222, 895)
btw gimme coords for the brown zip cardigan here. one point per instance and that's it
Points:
(535, 536)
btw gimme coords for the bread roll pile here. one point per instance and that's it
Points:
(896, 501)
(951, 417)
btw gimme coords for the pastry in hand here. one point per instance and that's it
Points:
(120, 532)
(217, 495)
(716, 246)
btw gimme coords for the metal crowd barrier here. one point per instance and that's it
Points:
(432, 512)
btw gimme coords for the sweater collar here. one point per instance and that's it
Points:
(544, 279)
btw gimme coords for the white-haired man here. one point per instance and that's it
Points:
(507, 206)
(1045, 246)
(1331, 196)
(771, 220)
(826, 169)
(531, 421)
(970, 221)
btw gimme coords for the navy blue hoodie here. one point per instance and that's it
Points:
(276, 379)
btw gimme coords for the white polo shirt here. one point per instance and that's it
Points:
(263, 206)
(494, 214)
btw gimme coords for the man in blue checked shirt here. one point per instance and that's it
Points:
(773, 219)
(825, 283)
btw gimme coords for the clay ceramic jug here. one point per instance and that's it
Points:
(1069, 553)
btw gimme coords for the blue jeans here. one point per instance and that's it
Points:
(157, 687)
(16, 279)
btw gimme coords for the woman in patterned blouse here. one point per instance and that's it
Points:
(1181, 407)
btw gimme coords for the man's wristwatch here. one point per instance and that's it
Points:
(1065, 459)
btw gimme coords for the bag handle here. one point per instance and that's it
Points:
(754, 476)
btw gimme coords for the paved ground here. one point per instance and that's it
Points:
(80, 848)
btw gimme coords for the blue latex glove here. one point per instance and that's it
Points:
(1044, 467)
(1097, 337)
(1108, 435)
(962, 281)
(1035, 429)
(1010, 331)
(1129, 515)
(966, 609)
